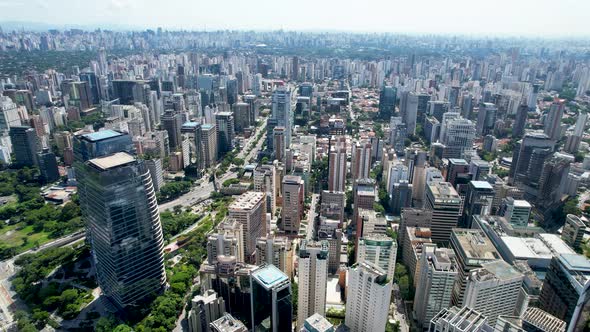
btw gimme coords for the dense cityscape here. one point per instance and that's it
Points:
(235, 181)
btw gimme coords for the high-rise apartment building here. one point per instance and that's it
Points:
(292, 211)
(313, 278)
(438, 272)
(493, 289)
(209, 141)
(361, 160)
(552, 127)
(337, 164)
(368, 297)
(249, 209)
(379, 249)
(275, 250)
(206, 309)
(408, 107)
(267, 181)
(444, 202)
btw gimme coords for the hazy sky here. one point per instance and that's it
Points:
(492, 17)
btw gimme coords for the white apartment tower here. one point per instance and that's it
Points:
(380, 250)
(368, 298)
(313, 277)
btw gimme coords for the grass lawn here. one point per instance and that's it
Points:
(22, 237)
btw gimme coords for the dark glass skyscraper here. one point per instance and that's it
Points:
(271, 300)
(119, 207)
(387, 101)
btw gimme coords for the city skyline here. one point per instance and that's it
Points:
(506, 19)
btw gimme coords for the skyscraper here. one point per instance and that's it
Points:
(409, 110)
(224, 121)
(209, 141)
(337, 164)
(552, 127)
(520, 121)
(444, 202)
(387, 101)
(48, 166)
(380, 250)
(573, 231)
(573, 141)
(275, 250)
(438, 272)
(458, 138)
(368, 298)
(292, 211)
(281, 115)
(25, 145)
(313, 277)
(8, 114)
(528, 157)
(270, 299)
(486, 118)
(249, 209)
(172, 122)
(478, 201)
(361, 160)
(119, 206)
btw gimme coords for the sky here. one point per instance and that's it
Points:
(531, 18)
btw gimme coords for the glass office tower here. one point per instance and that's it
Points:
(271, 300)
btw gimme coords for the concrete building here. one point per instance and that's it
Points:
(472, 249)
(364, 195)
(361, 160)
(438, 272)
(292, 210)
(380, 250)
(313, 278)
(517, 212)
(275, 250)
(317, 323)
(227, 323)
(573, 231)
(413, 246)
(552, 127)
(249, 209)
(368, 298)
(205, 309)
(266, 180)
(227, 242)
(337, 165)
(209, 141)
(478, 201)
(332, 205)
(156, 172)
(493, 289)
(459, 320)
(444, 202)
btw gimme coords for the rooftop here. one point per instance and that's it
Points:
(112, 161)
(227, 323)
(475, 244)
(247, 200)
(101, 135)
(482, 185)
(319, 323)
(556, 244)
(207, 126)
(502, 270)
(190, 124)
(269, 276)
(444, 191)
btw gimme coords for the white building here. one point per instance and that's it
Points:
(206, 309)
(493, 290)
(368, 298)
(434, 289)
(313, 278)
(380, 250)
